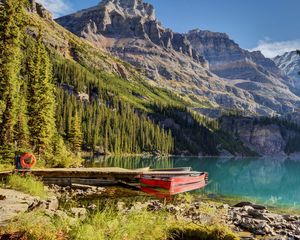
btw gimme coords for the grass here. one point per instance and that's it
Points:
(6, 167)
(134, 224)
(138, 225)
(110, 224)
(113, 225)
(204, 232)
(185, 198)
(37, 226)
(27, 184)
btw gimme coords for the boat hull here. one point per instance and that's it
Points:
(174, 184)
(159, 192)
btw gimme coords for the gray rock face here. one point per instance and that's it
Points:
(289, 64)
(267, 139)
(40, 10)
(127, 19)
(129, 30)
(250, 71)
(230, 61)
(12, 204)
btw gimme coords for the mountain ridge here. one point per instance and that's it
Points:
(250, 71)
(169, 60)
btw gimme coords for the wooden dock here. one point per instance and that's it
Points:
(90, 176)
(5, 174)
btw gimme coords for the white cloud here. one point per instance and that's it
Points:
(272, 49)
(57, 7)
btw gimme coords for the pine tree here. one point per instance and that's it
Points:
(108, 124)
(21, 127)
(11, 35)
(41, 98)
(75, 135)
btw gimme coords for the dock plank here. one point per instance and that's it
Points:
(93, 176)
(4, 174)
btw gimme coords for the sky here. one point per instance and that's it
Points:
(271, 26)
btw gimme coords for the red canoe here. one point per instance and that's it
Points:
(175, 184)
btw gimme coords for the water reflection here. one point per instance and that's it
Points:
(132, 162)
(271, 181)
(157, 193)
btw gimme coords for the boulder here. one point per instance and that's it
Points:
(80, 213)
(243, 204)
(255, 206)
(51, 204)
(92, 207)
(290, 218)
(13, 204)
(257, 214)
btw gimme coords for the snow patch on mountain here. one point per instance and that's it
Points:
(289, 63)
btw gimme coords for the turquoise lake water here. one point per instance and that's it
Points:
(274, 182)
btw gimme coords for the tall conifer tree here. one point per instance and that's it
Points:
(21, 127)
(75, 135)
(11, 35)
(41, 98)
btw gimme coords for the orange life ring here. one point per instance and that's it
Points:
(24, 163)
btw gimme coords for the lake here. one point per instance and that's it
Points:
(274, 182)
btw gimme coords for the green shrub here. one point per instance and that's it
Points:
(61, 156)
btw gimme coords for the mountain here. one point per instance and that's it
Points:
(289, 64)
(78, 97)
(118, 111)
(223, 53)
(250, 71)
(130, 30)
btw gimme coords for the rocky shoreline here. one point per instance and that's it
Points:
(248, 220)
(259, 221)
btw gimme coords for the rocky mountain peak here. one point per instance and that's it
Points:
(224, 55)
(130, 8)
(289, 64)
(40, 10)
(125, 19)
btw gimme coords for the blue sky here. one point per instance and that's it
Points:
(272, 26)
